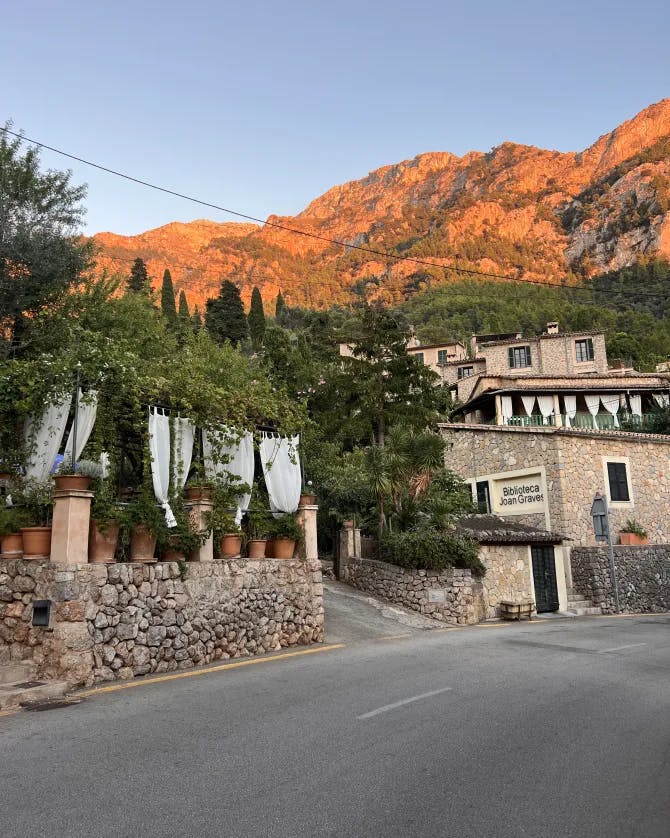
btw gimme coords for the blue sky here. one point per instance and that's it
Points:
(262, 107)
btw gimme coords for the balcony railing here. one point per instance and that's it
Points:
(582, 421)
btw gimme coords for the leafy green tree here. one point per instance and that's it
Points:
(184, 313)
(279, 308)
(256, 318)
(41, 255)
(196, 319)
(138, 282)
(168, 306)
(224, 317)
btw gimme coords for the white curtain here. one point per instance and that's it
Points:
(593, 404)
(546, 405)
(611, 404)
(43, 438)
(662, 399)
(506, 408)
(528, 404)
(159, 445)
(182, 450)
(570, 405)
(635, 405)
(281, 469)
(86, 413)
(239, 462)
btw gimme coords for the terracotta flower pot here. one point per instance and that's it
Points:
(284, 548)
(307, 500)
(36, 542)
(632, 539)
(142, 544)
(11, 546)
(198, 493)
(102, 545)
(173, 553)
(270, 548)
(256, 548)
(230, 545)
(80, 482)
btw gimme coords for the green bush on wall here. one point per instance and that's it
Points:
(430, 550)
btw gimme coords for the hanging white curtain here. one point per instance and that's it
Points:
(611, 404)
(239, 462)
(281, 469)
(86, 413)
(506, 408)
(635, 405)
(546, 405)
(570, 406)
(43, 438)
(662, 399)
(182, 450)
(159, 445)
(593, 405)
(528, 404)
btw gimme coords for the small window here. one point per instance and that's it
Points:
(618, 480)
(465, 372)
(584, 349)
(442, 356)
(483, 496)
(519, 356)
(418, 357)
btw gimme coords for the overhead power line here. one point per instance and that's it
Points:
(295, 231)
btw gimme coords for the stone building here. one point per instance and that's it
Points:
(547, 477)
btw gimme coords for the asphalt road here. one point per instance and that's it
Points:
(557, 728)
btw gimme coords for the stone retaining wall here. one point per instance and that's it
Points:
(643, 574)
(453, 595)
(120, 620)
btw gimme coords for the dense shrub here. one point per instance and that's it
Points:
(430, 550)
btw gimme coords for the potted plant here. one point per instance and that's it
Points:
(12, 519)
(286, 533)
(78, 476)
(107, 517)
(308, 498)
(227, 534)
(36, 500)
(633, 533)
(257, 533)
(181, 542)
(147, 524)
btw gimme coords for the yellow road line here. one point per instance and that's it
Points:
(173, 676)
(451, 628)
(8, 712)
(394, 636)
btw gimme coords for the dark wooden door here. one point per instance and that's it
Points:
(544, 578)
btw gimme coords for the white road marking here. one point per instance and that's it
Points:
(621, 648)
(395, 704)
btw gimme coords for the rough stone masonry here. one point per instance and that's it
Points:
(116, 621)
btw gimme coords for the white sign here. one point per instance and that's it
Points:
(435, 595)
(519, 495)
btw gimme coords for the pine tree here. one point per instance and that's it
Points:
(139, 278)
(225, 318)
(196, 319)
(256, 318)
(168, 306)
(184, 313)
(279, 308)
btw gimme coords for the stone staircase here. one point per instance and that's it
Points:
(579, 606)
(19, 686)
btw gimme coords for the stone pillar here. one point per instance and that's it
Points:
(558, 421)
(198, 513)
(499, 416)
(307, 519)
(350, 541)
(69, 533)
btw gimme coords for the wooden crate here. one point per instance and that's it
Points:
(516, 610)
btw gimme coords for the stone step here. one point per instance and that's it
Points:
(588, 611)
(579, 603)
(11, 673)
(13, 696)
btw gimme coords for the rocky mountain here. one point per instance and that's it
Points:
(517, 210)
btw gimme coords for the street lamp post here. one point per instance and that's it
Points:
(601, 528)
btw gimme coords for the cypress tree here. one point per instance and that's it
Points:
(196, 319)
(256, 318)
(168, 306)
(225, 318)
(184, 313)
(279, 307)
(139, 278)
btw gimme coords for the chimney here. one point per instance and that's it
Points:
(552, 328)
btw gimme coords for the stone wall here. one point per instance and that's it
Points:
(643, 575)
(121, 620)
(508, 575)
(453, 595)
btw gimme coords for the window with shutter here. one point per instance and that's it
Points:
(618, 482)
(519, 356)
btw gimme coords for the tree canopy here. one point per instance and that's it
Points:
(224, 317)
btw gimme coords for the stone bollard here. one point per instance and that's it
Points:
(306, 516)
(69, 532)
(349, 542)
(198, 512)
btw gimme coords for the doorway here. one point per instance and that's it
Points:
(544, 577)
